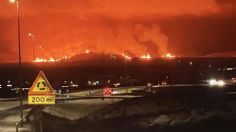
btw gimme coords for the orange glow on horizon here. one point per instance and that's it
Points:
(87, 51)
(126, 57)
(168, 56)
(40, 60)
(52, 60)
(89, 27)
(43, 60)
(146, 56)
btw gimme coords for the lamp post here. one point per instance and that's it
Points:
(126, 79)
(19, 54)
(31, 35)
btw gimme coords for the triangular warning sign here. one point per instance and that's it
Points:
(41, 85)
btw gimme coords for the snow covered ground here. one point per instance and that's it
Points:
(145, 113)
(77, 109)
(10, 115)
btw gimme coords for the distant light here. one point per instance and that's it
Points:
(66, 86)
(12, 1)
(30, 34)
(213, 82)
(87, 51)
(221, 83)
(9, 85)
(149, 84)
(74, 85)
(107, 91)
(163, 83)
(191, 63)
(229, 69)
(116, 84)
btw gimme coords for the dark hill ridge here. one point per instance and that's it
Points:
(94, 56)
(96, 66)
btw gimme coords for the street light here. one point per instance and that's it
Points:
(31, 35)
(12, 1)
(19, 53)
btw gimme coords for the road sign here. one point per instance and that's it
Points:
(41, 92)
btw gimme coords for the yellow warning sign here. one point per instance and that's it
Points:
(41, 86)
(41, 91)
(41, 99)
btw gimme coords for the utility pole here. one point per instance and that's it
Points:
(19, 58)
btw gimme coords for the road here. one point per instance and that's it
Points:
(10, 110)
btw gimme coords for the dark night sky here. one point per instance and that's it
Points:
(68, 27)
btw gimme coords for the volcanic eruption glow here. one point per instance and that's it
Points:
(58, 28)
(168, 56)
(132, 39)
(126, 57)
(146, 56)
(43, 60)
(40, 60)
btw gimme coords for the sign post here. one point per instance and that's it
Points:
(41, 93)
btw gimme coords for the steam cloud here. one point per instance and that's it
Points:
(134, 39)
